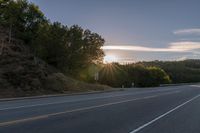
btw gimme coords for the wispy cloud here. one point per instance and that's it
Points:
(131, 48)
(184, 46)
(193, 31)
(173, 47)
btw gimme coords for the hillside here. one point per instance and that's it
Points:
(187, 71)
(22, 74)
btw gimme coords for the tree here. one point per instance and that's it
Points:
(117, 75)
(186, 71)
(50, 44)
(9, 14)
(83, 49)
(114, 74)
(158, 76)
(69, 49)
(21, 17)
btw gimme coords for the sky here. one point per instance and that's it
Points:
(134, 30)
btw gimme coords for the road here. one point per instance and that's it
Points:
(173, 109)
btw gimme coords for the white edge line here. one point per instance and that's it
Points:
(163, 115)
(195, 85)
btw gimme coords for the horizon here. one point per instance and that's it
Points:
(138, 30)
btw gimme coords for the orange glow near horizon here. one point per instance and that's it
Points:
(109, 59)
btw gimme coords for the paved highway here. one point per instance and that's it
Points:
(174, 109)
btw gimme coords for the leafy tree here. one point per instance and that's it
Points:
(179, 71)
(50, 44)
(114, 74)
(83, 49)
(21, 17)
(140, 75)
(69, 49)
(157, 76)
(9, 14)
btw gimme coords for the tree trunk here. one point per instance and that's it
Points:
(10, 33)
(2, 46)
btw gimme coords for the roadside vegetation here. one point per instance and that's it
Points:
(154, 73)
(69, 51)
(132, 75)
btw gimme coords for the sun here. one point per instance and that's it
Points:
(109, 59)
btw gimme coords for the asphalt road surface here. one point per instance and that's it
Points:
(174, 109)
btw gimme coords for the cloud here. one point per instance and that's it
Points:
(194, 31)
(185, 46)
(131, 48)
(173, 47)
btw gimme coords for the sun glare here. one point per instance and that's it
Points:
(110, 59)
